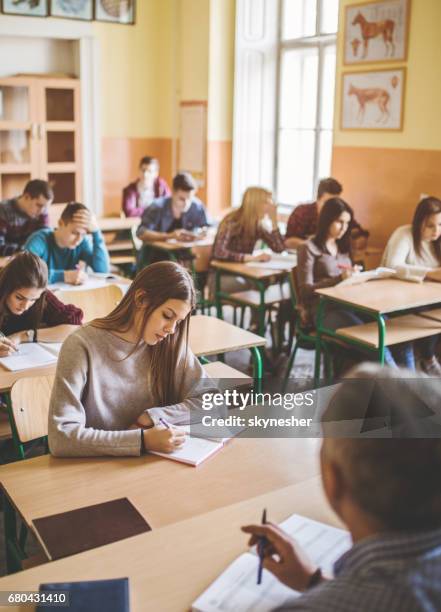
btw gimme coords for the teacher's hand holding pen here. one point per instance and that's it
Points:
(282, 556)
(7, 346)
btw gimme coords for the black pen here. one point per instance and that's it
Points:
(260, 550)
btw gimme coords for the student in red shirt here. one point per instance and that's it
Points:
(28, 311)
(148, 186)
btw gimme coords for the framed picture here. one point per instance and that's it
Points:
(72, 9)
(373, 100)
(29, 8)
(115, 11)
(376, 31)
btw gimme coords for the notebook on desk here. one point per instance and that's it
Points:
(32, 355)
(236, 587)
(88, 596)
(69, 533)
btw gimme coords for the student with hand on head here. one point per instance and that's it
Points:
(23, 215)
(324, 261)
(28, 310)
(302, 223)
(240, 230)
(419, 246)
(119, 375)
(176, 216)
(65, 247)
(148, 186)
(387, 491)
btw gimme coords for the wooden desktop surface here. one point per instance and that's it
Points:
(386, 295)
(245, 270)
(113, 224)
(169, 568)
(164, 491)
(208, 336)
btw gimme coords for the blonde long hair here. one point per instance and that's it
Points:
(155, 285)
(247, 217)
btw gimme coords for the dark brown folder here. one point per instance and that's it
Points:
(69, 533)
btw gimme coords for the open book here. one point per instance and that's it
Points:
(32, 355)
(236, 588)
(198, 446)
(361, 277)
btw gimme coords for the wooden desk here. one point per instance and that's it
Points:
(259, 276)
(115, 224)
(378, 297)
(180, 560)
(201, 250)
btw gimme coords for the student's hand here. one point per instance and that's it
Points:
(434, 275)
(75, 277)
(18, 337)
(261, 257)
(347, 273)
(144, 420)
(283, 557)
(183, 235)
(7, 347)
(163, 440)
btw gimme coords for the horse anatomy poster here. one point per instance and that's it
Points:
(376, 31)
(373, 100)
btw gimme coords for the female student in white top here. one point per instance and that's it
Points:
(120, 375)
(418, 246)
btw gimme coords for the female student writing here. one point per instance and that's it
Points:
(119, 375)
(240, 230)
(324, 261)
(28, 311)
(416, 249)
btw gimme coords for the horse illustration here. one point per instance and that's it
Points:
(372, 29)
(371, 95)
(355, 43)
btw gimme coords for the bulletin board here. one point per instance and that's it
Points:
(193, 139)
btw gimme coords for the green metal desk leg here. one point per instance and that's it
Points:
(13, 554)
(261, 309)
(381, 338)
(318, 344)
(257, 368)
(217, 296)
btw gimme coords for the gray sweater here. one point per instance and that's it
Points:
(98, 395)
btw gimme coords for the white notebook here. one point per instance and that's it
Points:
(193, 451)
(237, 588)
(362, 277)
(32, 355)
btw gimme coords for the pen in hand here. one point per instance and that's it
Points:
(260, 550)
(166, 425)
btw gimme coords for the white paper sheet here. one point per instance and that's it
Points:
(30, 355)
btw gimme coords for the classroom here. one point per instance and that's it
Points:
(220, 305)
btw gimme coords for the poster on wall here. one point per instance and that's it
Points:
(29, 8)
(376, 31)
(72, 9)
(373, 100)
(115, 11)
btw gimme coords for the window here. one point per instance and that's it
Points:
(306, 86)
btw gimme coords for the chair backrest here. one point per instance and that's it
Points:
(94, 303)
(30, 406)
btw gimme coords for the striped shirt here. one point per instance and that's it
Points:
(231, 245)
(16, 226)
(390, 572)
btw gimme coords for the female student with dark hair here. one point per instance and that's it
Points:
(324, 261)
(28, 311)
(120, 375)
(416, 250)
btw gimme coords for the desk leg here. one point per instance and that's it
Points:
(261, 310)
(17, 444)
(318, 344)
(14, 555)
(217, 294)
(257, 368)
(381, 338)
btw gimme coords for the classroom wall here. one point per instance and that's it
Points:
(384, 173)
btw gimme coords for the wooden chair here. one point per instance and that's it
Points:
(93, 302)
(29, 411)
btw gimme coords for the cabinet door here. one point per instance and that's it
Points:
(59, 136)
(19, 144)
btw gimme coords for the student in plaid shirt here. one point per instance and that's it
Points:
(302, 223)
(386, 488)
(22, 216)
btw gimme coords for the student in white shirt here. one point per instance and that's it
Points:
(419, 245)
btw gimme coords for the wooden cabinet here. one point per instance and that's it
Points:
(40, 135)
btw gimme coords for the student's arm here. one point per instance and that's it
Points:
(150, 222)
(37, 244)
(129, 203)
(220, 248)
(57, 313)
(295, 227)
(196, 384)
(68, 434)
(293, 242)
(305, 274)
(94, 252)
(273, 239)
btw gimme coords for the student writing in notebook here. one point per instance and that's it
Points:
(324, 261)
(419, 245)
(28, 310)
(76, 239)
(119, 375)
(386, 491)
